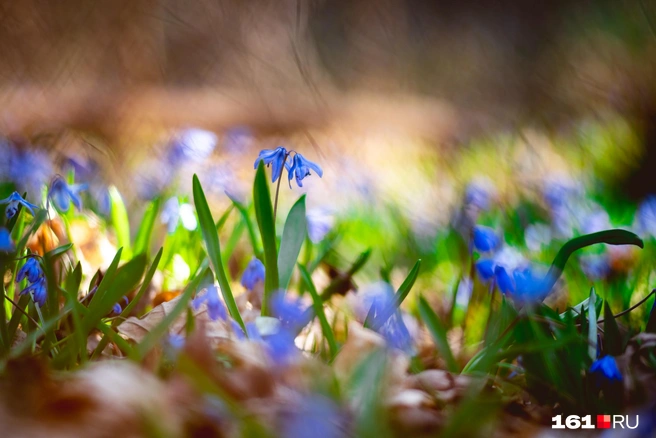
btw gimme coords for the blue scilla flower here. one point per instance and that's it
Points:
(118, 307)
(62, 194)
(30, 270)
(37, 291)
(504, 282)
(301, 168)
(314, 416)
(253, 274)
(192, 144)
(215, 307)
(30, 169)
(607, 368)
(646, 216)
(485, 268)
(173, 213)
(485, 239)
(319, 223)
(291, 313)
(280, 346)
(6, 244)
(277, 158)
(13, 201)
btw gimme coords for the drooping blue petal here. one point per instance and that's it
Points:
(276, 158)
(504, 281)
(529, 288)
(253, 274)
(30, 270)
(6, 244)
(280, 346)
(607, 368)
(13, 201)
(62, 195)
(301, 168)
(485, 239)
(485, 269)
(396, 334)
(37, 291)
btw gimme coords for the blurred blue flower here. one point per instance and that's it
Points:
(253, 274)
(37, 291)
(485, 269)
(118, 308)
(215, 307)
(13, 201)
(192, 144)
(477, 194)
(276, 157)
(174, 213)
(606, 367)
(646, 216)
(176, 342)
(319, 223)
(504, 282)
(30, 270)
(301, 167)
(30, 169)
(485, 239)
(595, 266)
(6, 244)
(314, 416)
(529, 288)
(378, 301)
(292, 313)
(62, 194)
(280, 346)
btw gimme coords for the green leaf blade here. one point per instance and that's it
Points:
(293, 236)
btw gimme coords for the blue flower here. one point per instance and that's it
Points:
(485, 268)
(117, 308)
(477, 194)
(301, 167)
(13, 201)
(62, 194)
(175, 342)
(174, 213)
(215, 307)
(529, 288)
(276, 157)
(485, 239)
(292, 314)
(192, 144)
(253, 274)
(505, 283)
(319, 223)
(30, 169)
(37, 291)
(31, 269)
(6, 244)
(607, 367)
(314, 416)
(280, 346)
(385, 318)
(646, 215)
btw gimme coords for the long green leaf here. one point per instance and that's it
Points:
(265, 221)
(317, 304)
(592, 325)
(293, 236)
(211, 237)
(120, 221)
(145, 231)
(438, 332)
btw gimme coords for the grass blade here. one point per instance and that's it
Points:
(613, 344)
(211, 237)
(264, 214)
(145, 232)
(438, 332)
(400, 295)
(120, 221)
(317, 303)
(293, 236)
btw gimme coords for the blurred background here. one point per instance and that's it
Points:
(407, 105)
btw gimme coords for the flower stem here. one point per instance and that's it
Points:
(275, 202)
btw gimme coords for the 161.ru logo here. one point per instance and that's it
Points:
(603, 422)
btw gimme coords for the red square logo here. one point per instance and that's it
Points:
(603, 421)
